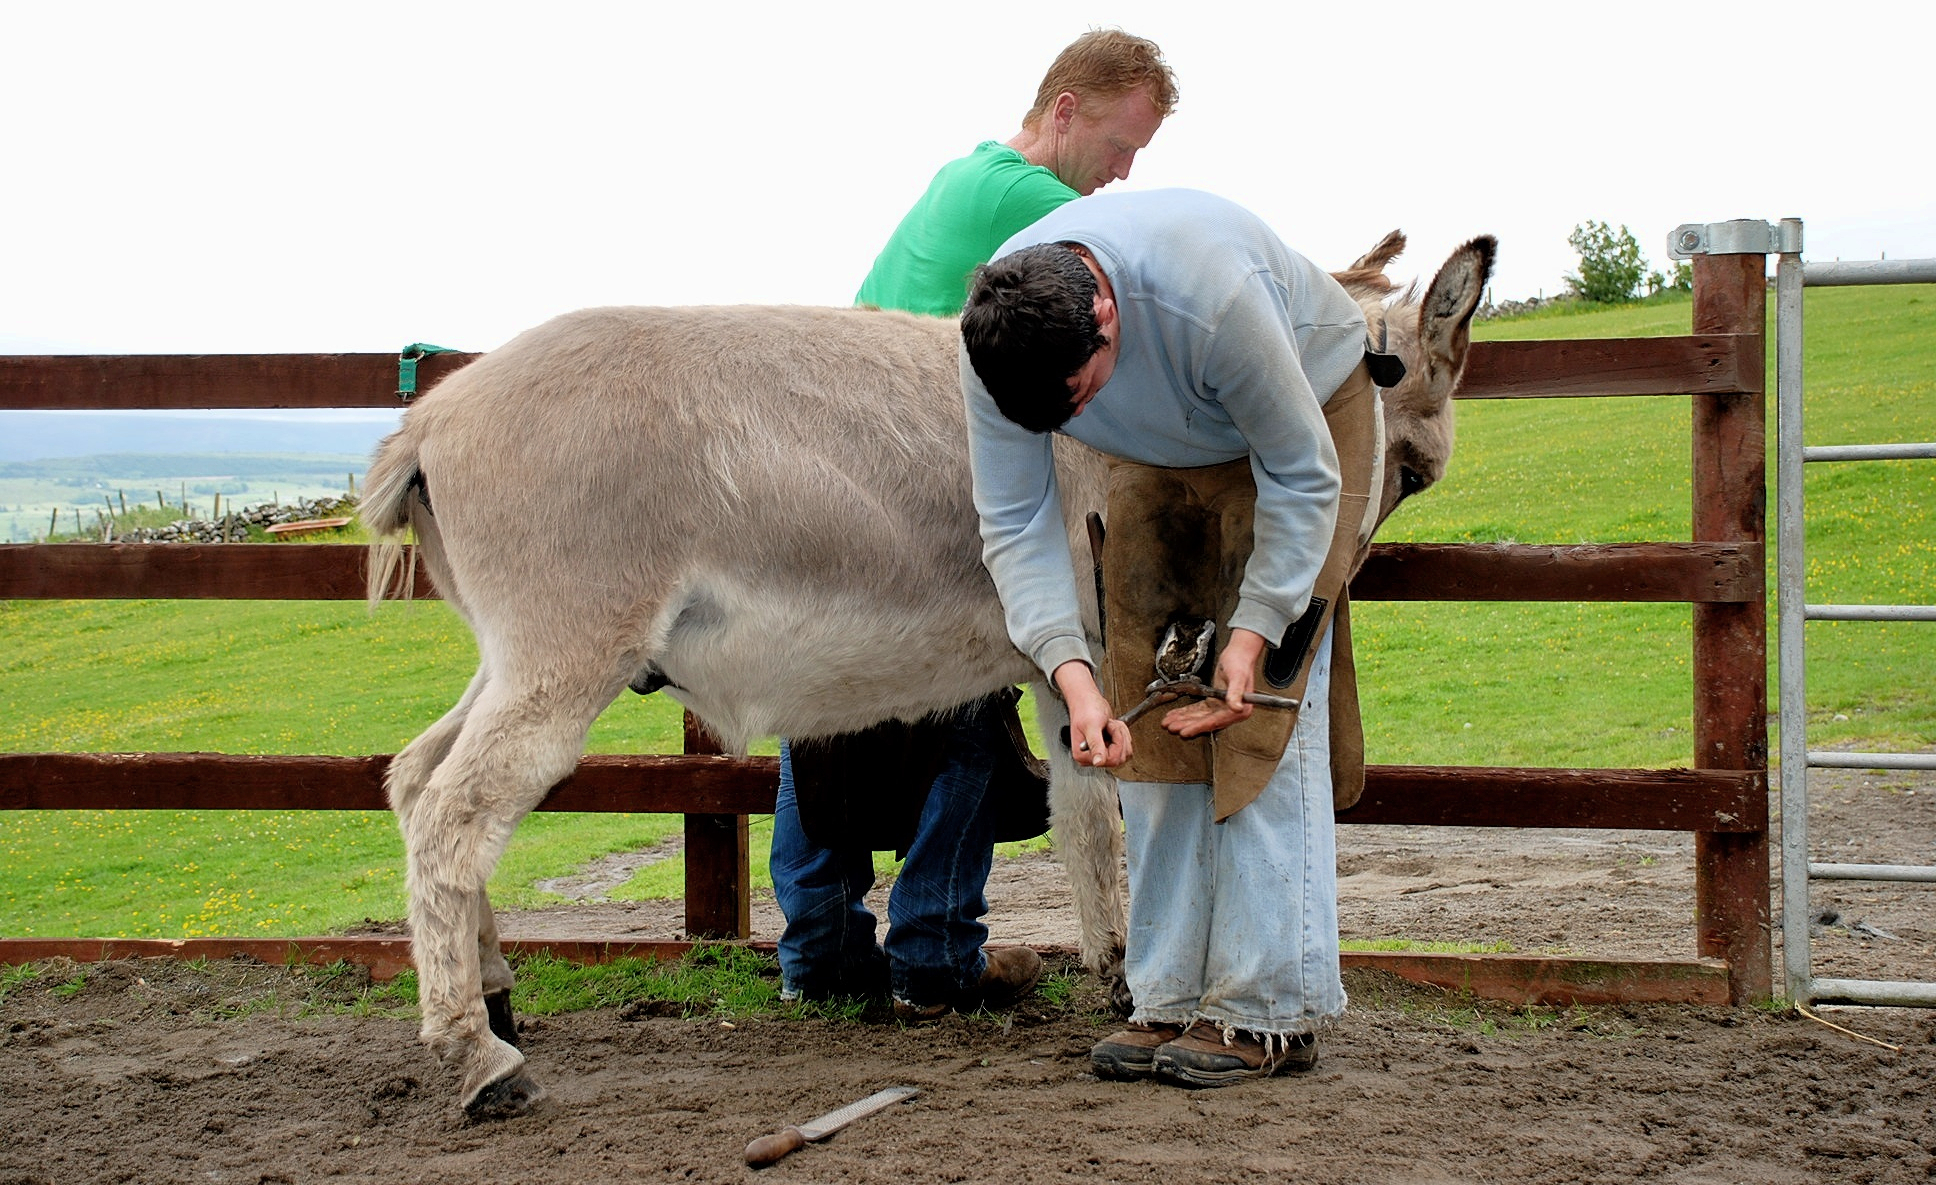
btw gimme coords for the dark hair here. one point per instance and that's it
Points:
(1029, 326)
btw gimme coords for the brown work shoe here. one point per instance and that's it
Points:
(910, 1013)
(1131, 1053)
(1206, 1055)
(1011, 973)
(1007, 975)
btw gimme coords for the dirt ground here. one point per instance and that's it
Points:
(133, 1078)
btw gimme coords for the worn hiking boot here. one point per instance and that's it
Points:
(1010, 973)
(1208, 1056)
(910, 1013)
(1131, 1053)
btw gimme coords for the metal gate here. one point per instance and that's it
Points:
(1792, 454)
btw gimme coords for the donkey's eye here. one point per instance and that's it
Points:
(1410, 481)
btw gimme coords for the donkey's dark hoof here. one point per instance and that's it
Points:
(1120, 998)
(504, 1024)
(506, 1098)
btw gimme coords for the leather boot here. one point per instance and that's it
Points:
(1206, 1055)
(1131, 1053)
(1009, 973)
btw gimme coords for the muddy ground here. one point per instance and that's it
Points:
(132, 1077)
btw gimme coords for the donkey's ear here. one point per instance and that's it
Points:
(1379, 257)
(1445, 315)
(1366, 278)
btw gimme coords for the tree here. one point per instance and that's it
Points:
(1610, 264)
(1682, 280)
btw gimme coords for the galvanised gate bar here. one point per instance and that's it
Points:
(1792, 454)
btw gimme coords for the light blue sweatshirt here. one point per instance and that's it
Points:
(1231, 344)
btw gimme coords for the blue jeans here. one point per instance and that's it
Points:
(934, 931)
(1237, 922)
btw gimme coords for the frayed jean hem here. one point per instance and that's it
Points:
(1185, 1017)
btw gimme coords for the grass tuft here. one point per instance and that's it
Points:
(1436, 948)
(17, 977)
(723, 980)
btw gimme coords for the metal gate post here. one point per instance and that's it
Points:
(1790, 581)
(1731, 877)
(1797, 759)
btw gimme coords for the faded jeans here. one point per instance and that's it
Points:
(1237, 922)
(934, 929)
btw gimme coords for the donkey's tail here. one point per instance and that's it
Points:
(394, 501)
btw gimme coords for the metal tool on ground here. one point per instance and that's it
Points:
(767, 1149)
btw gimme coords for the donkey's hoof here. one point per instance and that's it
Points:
(1110, 970)
(504, 1023)
(506, 1098)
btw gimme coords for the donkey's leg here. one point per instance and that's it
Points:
(408, 773)
(412, 767)
(523, 735)
(1088, 828)
(495, 975)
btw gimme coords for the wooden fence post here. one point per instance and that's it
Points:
(1731, 870)
(718, 894)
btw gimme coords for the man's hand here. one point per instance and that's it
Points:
(1095, 737)
(1237, 667)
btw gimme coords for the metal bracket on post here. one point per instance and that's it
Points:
(1741, 236)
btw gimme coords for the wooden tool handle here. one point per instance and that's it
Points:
(767, 1149)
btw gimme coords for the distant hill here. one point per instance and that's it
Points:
(138, 467)
(64, 469)
(39, 435)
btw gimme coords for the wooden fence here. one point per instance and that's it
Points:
(1722, 799)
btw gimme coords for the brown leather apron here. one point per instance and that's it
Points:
(1176, 547)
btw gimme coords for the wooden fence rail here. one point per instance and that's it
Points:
(1684, 572)
(1723, 800)
(1709, 364)
(1439, 796)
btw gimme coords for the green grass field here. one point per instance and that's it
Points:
(1479, 684)
(1610, 685)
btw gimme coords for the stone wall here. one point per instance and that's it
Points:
(1514, 308)
(234, 527)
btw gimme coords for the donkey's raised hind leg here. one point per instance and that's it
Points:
(1086, 820)
(517, 742)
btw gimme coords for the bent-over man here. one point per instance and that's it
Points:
(1173, 331)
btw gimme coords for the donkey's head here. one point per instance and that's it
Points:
(1431, 334)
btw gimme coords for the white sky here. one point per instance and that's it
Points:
(194, 177)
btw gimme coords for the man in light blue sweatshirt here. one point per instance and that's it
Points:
(1173, 330)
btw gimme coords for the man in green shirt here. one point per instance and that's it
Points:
(1099, 104)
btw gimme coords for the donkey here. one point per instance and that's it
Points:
(766, 513)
